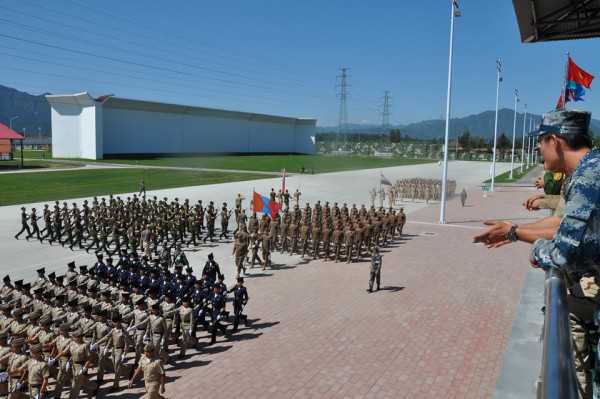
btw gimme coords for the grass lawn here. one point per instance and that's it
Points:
(34, 164)
(34, 154)
(274, 163)
(517, 174)
(20, 188)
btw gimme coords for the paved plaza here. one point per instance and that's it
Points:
(439, 327)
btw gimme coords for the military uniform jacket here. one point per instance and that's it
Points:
(186, 315)
(376, 263)
(157, 325)
(118, 338)
(167, 310)
(152, 369)
(15, 362)
(4, 350)
(37, 371)
(62, 343)
(79, 352)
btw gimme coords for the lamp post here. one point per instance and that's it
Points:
(11, 121)
(523, 142)
(454, 12)
(512, 154)
(498, 80)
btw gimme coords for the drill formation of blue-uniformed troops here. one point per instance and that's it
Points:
(102, 319)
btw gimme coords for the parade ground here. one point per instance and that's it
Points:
(439, 327)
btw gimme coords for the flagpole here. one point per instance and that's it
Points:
(512, 154)
(454, 12)
(565, 82)
(498, 78)
(523, 140)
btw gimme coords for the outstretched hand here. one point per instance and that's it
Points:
(495, 235)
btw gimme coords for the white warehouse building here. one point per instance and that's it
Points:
(84, 127)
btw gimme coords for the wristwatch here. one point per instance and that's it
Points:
(512, 233)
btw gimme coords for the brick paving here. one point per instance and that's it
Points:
(437, 329)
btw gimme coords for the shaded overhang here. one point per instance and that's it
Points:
(547, 20)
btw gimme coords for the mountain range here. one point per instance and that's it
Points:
(481, 125)
(34, 116)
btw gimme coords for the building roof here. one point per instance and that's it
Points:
(546, 20)
(8, 133)
(84, 99)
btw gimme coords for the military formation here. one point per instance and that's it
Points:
(63, 333)
(136, 223)
(323, 231)
(416, 189)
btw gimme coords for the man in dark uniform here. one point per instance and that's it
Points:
(24, 225)
(240, 299)
(375, 271)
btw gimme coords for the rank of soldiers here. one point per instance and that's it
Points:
(66, 332)
(322, 231)
(135, 223)
(411, 189)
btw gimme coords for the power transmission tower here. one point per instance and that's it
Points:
(385, 114)
(343, 95)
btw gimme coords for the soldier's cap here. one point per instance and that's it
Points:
(41, 271)
(179, 267)
(77, 333)
(99, 254)
(125, 293)
(71, 265)
(37, 348)
(60, 297)
(156, 306)
(106, 294)
(82, 285)
(210, 256)
(5, 307)
(185, 298)
(52, 276)
(3, 335)
(22, 208)
(73, 302)
(565, 123)
(93, 288)
(27, 287)
(72, 282)
(109, 259)
(83, 269)
(240, 279)
(141, 301)
(38, 290)
(17, 342)
(189, 269)
(19, 283)
(149, 348)
(99, 312)
(116, 317)
(65, 327)
(6, 279)
(45, 320)
(87, 308)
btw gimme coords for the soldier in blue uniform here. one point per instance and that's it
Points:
(218, 302)
(240, 299)
(211, 269)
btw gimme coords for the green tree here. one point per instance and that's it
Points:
(464, 140)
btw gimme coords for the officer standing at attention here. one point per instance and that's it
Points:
(375, 272)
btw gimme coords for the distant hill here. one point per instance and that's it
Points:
(33, 111)
(481, 124)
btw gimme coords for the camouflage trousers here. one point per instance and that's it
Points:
(581, 312)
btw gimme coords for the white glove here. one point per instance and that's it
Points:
(190, 332)
(51, 361)
(38, 396)
(130, 329)
(123, 359)
(68, 366)
(93, 347)
(3, 377)
(18, 386)
(105, 351)
(84, 371)
(146, 339)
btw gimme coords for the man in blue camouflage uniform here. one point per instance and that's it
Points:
(570, 242)
(565, 144)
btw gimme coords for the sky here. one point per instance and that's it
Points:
(283, 57)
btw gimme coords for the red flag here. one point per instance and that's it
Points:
(560, 104)
(578, 75)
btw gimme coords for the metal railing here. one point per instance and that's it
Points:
(558, 379)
